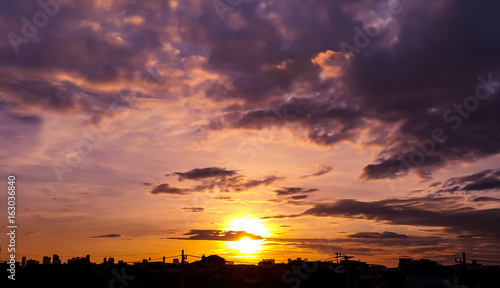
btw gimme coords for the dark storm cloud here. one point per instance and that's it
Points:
(485, 180)
(61, 44)
(243, 53)
(80, 41)
(377, 235)
(107, 236)
(201, 173)
(193, 209)
(62, 97)
(411, 79)
(293, 190)
(485, 199)
(406, 83)
(483, 184)
(447, 212)
(411, 84)
(326, 123)
(167, 189)
(414, 212)
(218, 235)
(324, 169)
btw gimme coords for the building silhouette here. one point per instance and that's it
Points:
(46, 260)
(56, 259)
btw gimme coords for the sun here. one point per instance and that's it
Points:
(251, 226)
(246, 245)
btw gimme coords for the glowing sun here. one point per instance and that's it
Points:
(251, 226)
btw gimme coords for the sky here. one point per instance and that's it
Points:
(252, 129)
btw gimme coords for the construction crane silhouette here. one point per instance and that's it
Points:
(340, 255)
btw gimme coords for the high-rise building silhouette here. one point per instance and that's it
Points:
(32, 262)
(46, 260)
(56, 259)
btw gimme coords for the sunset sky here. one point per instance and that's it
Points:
(252, 129)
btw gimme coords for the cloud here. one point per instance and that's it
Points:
(262, 182)
(393, 92)
(424, 211)
(483, 184)
(213, 178)
(377, 235)
(218, 235)
(236, 183)
(193, 209)
(226, 198)
(488, 179)
(107, 236)
(324, 169)
(468, 236)
(201, 173)
(299, 197)
(326, 124)
(411, 93)
(485, 199)
(435, 184)
(225, 180)
(293, 190)
(167, 189)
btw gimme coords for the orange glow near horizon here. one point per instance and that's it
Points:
(251, 226)
(246, 245)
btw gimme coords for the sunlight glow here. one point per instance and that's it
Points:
(249, 225)
(246, 245)
(252, 226)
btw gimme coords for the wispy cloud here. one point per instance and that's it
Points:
(107, 236)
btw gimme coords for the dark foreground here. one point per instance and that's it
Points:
(212, 272)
